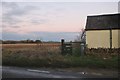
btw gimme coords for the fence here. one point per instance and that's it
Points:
(66, 48)
(77, 48)
(72, 48)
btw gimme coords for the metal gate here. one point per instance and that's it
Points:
(66, 47)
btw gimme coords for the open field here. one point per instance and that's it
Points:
(34, 45)
(48, 55)
(28, 49)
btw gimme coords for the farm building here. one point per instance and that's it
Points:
(103, 31)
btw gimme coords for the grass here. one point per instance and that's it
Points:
(48, 56)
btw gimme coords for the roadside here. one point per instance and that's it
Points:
(93, 71)
(88, 72)
(58, 72)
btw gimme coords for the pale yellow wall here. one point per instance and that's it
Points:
(98, 38)
(115, 38)
(101, 38)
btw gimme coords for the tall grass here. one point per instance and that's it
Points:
(48, 56)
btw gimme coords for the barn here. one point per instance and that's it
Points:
(103, 31)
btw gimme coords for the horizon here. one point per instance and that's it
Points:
(44, 36)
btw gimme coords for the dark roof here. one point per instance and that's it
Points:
(103, 22)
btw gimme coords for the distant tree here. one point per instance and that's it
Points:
(1, 41)
(38, 41)
(78, 37)
(81, 36)
(29, 41)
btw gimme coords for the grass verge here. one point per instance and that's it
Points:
(57, 60)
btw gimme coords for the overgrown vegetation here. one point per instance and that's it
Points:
(48, 56)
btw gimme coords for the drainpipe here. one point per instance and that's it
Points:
(110, 38)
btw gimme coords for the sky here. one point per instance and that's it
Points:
(49, 21)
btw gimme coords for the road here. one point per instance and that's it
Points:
(17, 72)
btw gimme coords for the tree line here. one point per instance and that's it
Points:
(21, 41)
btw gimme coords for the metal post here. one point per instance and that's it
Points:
(82, 49)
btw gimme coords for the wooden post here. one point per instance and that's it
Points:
(71, 48)
(62, 46)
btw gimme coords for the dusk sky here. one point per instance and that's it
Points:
(49, 21)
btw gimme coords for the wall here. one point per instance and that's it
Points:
(115, 38)
(101, 39)
(98, 38)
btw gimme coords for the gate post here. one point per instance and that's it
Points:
(82, 49)
(62, 46)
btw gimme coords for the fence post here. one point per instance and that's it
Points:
(82, 48)
(62, 46)
(71, 48)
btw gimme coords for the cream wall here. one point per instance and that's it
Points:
(101, 39)
(115, 38)
(98, 38)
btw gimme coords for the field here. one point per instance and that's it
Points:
(42, 48)
(49, 55)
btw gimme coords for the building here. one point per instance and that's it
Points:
(103, 31)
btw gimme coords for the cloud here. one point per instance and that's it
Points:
(12, 12)
(39, 21)
(19, 15)
(14, 9)
(5, 26)
(16, 26)
(29, 14)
